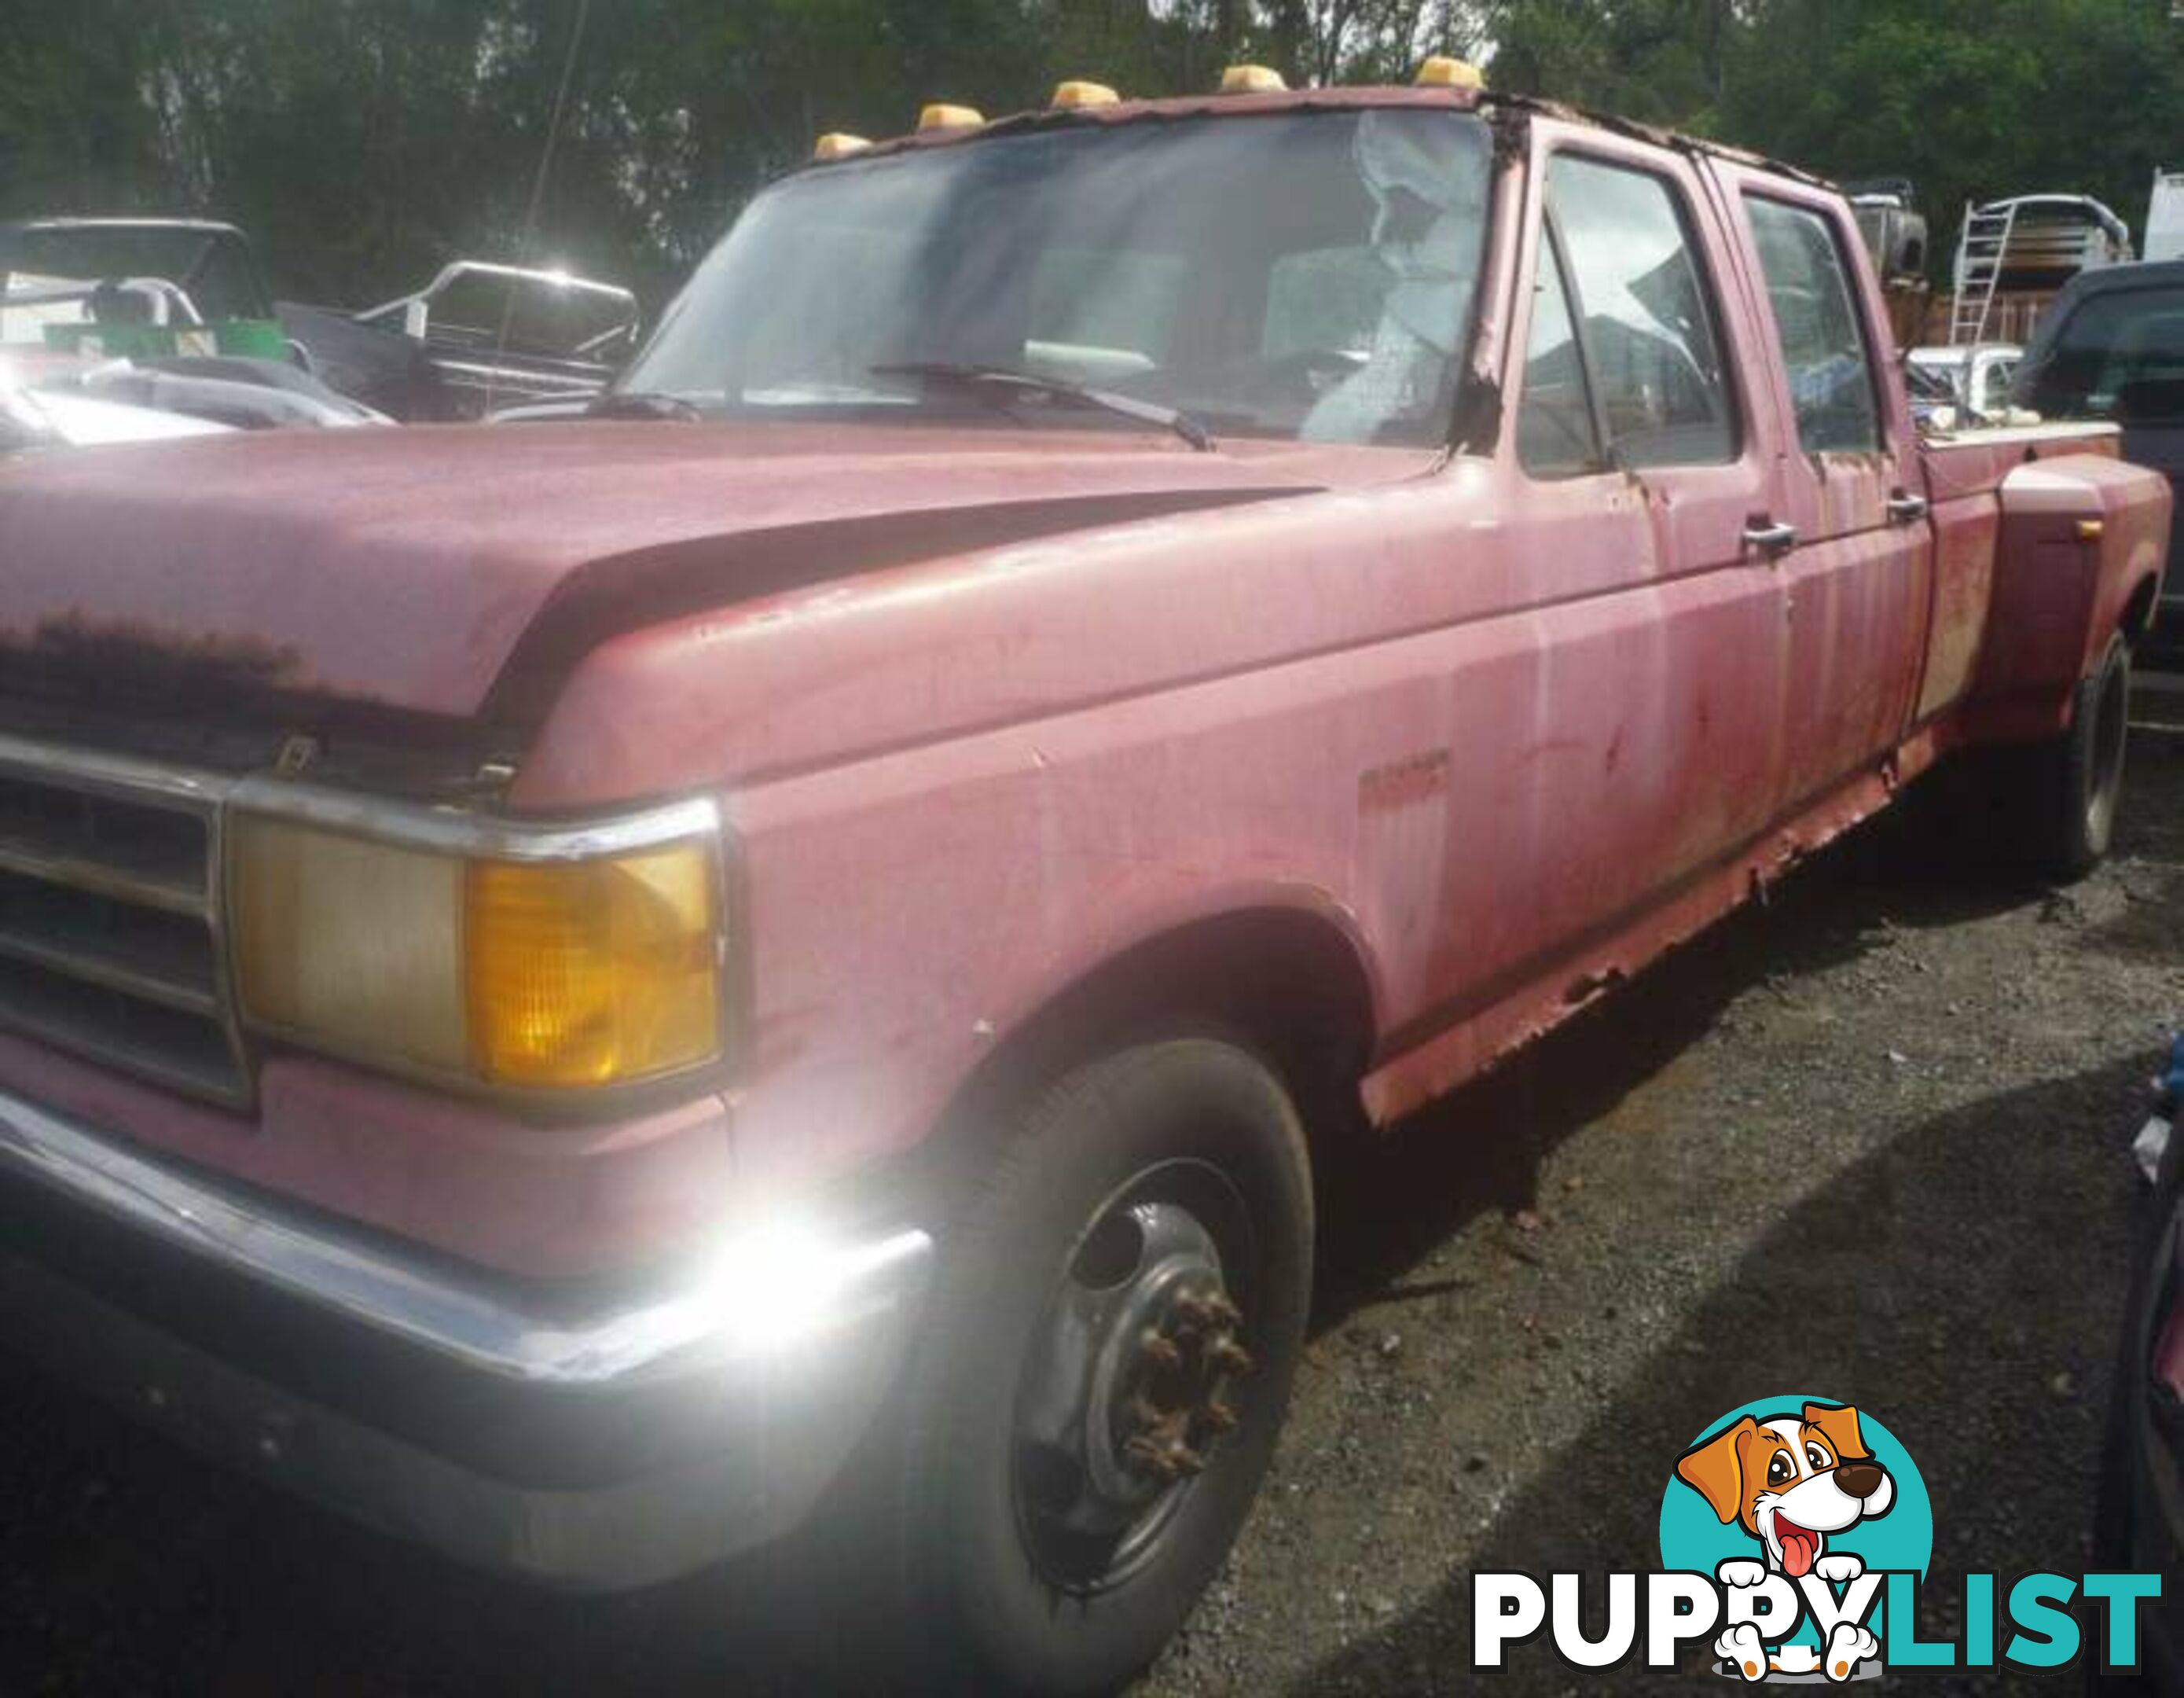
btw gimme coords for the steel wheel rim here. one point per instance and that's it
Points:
(1144, 1321)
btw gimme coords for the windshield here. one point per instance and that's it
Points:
(2121, 356)
(1303, 276)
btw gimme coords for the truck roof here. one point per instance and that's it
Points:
(1493, 103)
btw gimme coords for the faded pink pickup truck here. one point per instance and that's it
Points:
(575, 988)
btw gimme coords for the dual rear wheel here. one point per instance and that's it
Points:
(2074, 783)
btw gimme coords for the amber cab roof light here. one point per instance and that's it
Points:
(1079, 96)
(838, 144)
(939, 115)
(1441, 71)
(1252, 79)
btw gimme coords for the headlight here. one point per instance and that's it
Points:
(524, 972)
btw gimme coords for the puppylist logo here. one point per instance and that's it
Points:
(1794, 1537)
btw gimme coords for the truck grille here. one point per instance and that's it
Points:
(110, 918)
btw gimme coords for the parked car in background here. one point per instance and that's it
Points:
(586, 974)
(106, 288)
(475, 338)
(161, 290)
(2111, 351)
(1975, 382)
(157, 316)
(1894, 233)
(1893, 228)
(2045, 240)
(32, 418)
(2012, 256)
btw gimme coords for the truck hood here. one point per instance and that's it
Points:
(412, 568)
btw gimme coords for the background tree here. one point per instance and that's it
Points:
(363, 142)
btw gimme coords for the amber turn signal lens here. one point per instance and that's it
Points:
(592, 972)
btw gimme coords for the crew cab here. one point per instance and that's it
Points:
(573, 989)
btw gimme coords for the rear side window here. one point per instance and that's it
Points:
(1817, 327)
(2120, 356)
(1643, 316)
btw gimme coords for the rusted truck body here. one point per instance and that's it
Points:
(1023, 829)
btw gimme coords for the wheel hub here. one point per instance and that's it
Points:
(1184, 1363)
(1128, 1390)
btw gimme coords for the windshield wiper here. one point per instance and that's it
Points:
(641, 404)
(992, 378)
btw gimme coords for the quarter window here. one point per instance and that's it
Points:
(1643, 317)
(1817, 326)
(1555, 437)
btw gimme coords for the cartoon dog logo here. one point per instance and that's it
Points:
(1791, 1481)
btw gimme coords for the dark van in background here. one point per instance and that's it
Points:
(2112, 348)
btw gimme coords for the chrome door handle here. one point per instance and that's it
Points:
(1769, 538)
(1907, 509)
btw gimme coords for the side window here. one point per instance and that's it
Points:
(1645, 320)
(1555, 432)
(1816, 325)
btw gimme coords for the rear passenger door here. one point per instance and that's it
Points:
(1856, 560)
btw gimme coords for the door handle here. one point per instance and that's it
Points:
(1907, 509)
(1769, 537)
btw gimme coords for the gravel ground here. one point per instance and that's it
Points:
(1866, 1141)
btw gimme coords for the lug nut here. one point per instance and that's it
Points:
(1152, 1456)
(1221, 1417)
(1225, 1356)
(1160, 1351)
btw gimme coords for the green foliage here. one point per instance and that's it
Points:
(1972, 103)
(363, 142)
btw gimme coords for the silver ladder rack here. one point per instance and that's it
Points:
(1980, 251)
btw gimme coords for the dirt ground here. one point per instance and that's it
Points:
(1868, 1142)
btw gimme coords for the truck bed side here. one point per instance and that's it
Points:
(2002, 499)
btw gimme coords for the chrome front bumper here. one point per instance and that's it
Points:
(588, 1440)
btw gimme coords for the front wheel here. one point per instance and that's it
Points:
(1112, 1337)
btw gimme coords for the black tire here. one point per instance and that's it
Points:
(2067, 789)
(994, 1596)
